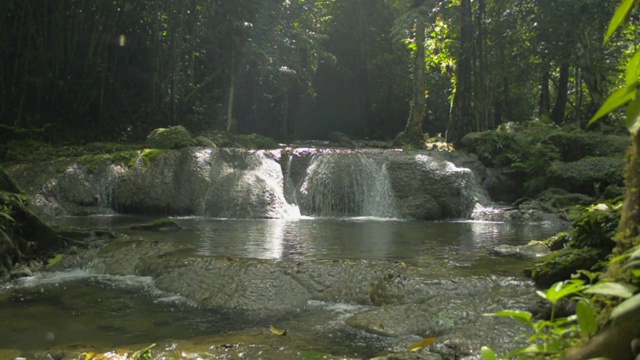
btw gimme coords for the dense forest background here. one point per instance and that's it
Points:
(83, 70)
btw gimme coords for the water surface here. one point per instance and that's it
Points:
(83, 308)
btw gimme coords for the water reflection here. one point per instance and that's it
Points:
(459, 243)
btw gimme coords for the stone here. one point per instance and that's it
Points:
(174, 137)
(588, 175)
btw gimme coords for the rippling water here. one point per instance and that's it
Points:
(84, 308)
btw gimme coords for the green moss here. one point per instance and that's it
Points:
(559, 265)
(124, 157)
(150, 155)
(174, 137)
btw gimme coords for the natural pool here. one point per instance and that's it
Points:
(80, 308)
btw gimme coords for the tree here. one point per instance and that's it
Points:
(461, 113)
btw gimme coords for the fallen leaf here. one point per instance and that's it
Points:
(421, 344)
(277, 331)
(55, 260)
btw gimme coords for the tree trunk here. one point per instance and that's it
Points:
(231, 123)
(461, 112)
(557, 114)
(544, 109)
(413, 130)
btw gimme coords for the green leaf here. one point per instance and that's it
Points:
(632, 121)
(632, 264)
(56, 259)
(626, 306)
(561, 289)
(636, 273)
(586, 319)
(620, 16)
(488, 354)
(633, 69)
(614, 101)
(636, 252)
(622, 290)
(521, 316)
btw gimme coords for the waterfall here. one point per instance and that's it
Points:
(108, 182)
(245, 185)
(346, 184)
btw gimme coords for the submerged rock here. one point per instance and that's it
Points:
(530, 251)
(158, 225)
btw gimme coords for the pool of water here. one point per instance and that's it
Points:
(462, 243)
(79, 307)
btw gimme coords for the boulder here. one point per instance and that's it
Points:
(174, 137)
(589, 175)
(561, 264)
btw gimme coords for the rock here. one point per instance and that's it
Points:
(158, 225)
(530, 251)
(559, 265)
(174, 137)
(503, 185)
(237, 183)
(204, 142)
(341, 139)
(409, 356)
(588, 176)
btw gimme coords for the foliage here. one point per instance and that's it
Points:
(596, 226)
(628, 94)
(551, 337)
(559, 265)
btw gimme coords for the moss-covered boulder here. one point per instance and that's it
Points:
(590, 175)
(596, 227)
(577, 144)
(174, 137)
(559, 265)
(204, 142)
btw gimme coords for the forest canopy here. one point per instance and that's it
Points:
(77, 71)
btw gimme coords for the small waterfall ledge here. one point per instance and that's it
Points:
(283, 183)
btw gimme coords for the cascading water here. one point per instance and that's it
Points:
(346, 184)
(245, 185)
(108, 182)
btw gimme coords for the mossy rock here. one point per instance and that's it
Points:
(559, 265)
(158, 225)
(204, 142)
(589, 175)
(596, 227)
(577, 144)
(174, 137)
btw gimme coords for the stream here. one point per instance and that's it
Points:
(64, 311)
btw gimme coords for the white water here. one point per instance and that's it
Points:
(346, 185)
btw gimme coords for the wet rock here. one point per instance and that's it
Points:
(426, 320)
(158, 225)
(237, 183)
(532, 250)
(409, 356)
(341, 139)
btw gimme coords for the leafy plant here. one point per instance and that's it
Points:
(627, 95)
(556, 334)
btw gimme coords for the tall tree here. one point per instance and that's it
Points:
(461, 118)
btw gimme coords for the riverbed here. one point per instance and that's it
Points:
(83, 308)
